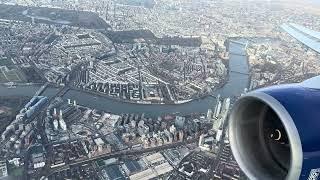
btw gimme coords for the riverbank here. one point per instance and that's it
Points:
(130, 101)
(9, 107)
(7, 84)
(234, 87)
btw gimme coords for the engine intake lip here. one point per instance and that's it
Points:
(244, 153)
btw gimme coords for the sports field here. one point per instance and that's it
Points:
(10, 75)
(5, 61)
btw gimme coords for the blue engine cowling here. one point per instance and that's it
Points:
(275, 132)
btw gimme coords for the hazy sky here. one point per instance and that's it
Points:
(315, 1)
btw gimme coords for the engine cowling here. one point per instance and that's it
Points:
(275, 132)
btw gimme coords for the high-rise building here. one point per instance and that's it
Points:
(54, 112)
(181, 135)
(62, 123)
(219, 135)
(169, 136)
(201, 140)
(226, 136)
(56, 124)
(172, 129)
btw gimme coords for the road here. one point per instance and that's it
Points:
(122, 153)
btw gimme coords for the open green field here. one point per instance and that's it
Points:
(10, 75)
(5, 62)
(13, 76)
(3, 79)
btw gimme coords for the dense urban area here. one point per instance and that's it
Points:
(145, 53)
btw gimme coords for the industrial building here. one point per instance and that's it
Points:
(132, 166)
(113, 172)
(152, 172)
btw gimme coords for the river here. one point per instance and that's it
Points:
(58, 21)
(238, 81)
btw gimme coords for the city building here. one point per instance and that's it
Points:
(38, 158)
(3, 169)
(180, 122)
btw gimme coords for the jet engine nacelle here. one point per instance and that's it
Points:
(275, 132)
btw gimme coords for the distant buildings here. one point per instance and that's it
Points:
(20, 133)
(209, 142)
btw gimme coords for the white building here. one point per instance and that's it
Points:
(209, 114)
(217, 109)
(63, 124)
(201, 140)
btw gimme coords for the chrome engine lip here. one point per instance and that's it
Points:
(289, 125)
